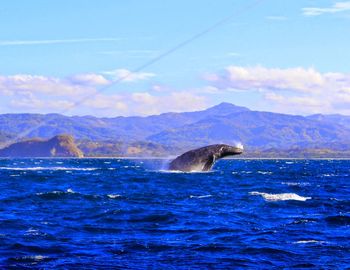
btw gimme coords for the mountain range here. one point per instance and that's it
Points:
(175, 132)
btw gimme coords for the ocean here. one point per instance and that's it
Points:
(133, 214)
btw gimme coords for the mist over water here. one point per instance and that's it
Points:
(129, 214)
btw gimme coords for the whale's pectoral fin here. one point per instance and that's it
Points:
(210, 162)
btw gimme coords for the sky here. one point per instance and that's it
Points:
(109, 58)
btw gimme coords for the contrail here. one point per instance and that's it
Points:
(147, 64)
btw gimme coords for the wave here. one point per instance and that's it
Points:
(56, 192)
(32, 259)
(264, 172)
(280, 197)
(299, 184)
(47, 169)
(311, 241)
(69, 192)
(113, 196)
(200, 196)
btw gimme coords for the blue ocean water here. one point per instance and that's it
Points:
(130, 214)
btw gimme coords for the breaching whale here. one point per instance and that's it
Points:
(203, 159)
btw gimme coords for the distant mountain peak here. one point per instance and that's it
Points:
(227, 108)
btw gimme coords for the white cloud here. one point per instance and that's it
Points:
(89, 79)
(37, 104)
(106, 103)
(208, 90)
(23, 83)
(126, 75)
(79, 94)
(145, 98)
(54, 41)
(144, 103)
(335, 8)
(292, 90)
(258, 77)
(160, 88)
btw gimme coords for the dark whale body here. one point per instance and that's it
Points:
(203, 159)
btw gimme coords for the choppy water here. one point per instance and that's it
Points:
(128, 214)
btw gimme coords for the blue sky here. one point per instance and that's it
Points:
(282, 56)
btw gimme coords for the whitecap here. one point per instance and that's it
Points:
(280, 197)
(68, 191)
(335, 199)
(300, 184)
(263, 172)
(40, 257)
(35, 257)
(45, 222)
(113, 196)
(328, 175)
(311, 241)
(50, 192)
(303, 221)
(200, 196)
(33, 232)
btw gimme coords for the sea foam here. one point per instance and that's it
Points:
(280, 197)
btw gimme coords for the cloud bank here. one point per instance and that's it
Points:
(294, 90)
(80, 94)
